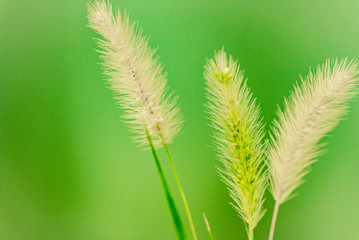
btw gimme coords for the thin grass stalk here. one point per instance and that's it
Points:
(183, 196)
(181, 232)
(250, 234)
(274, 221)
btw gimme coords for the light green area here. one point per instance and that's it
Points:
(68, 169)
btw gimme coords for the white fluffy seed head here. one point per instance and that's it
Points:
(238, 136)
(312, 111)
(135, 75)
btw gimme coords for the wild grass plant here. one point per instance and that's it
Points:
(314, 108)
(238, 136)
(136, 77)
(249, 164)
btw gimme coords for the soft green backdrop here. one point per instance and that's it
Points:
(68, 169)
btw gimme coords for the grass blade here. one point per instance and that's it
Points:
(181, 231)
(183, 196)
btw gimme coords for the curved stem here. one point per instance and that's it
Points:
(181, 232)
(181, 191)
(274, 220)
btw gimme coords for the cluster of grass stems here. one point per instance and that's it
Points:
(250, 164)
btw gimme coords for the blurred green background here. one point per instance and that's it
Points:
(68, 168)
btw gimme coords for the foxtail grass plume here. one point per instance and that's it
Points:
(311, 112)
(238, 136)
(136, 76)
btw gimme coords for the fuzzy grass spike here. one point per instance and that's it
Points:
(238, 136)
(136, 76)
(314, 108)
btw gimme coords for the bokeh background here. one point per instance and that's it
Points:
(68, 168)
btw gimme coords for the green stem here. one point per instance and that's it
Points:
(274, 220)
(207, 226)
(182, 235)
(250, 234)
(181, 190)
